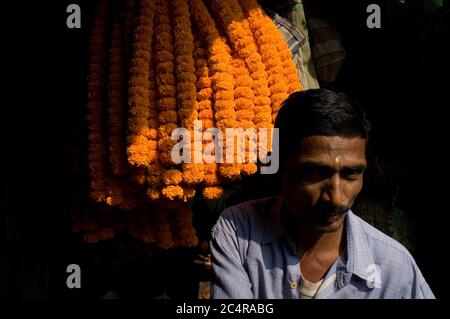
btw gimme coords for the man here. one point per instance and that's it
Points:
(307, 243)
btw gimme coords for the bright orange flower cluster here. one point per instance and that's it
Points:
(168, 64)
(205, 92)
(243, 96)
(140, 149)
(267, 35)
(244, 44)
(154, 168)
(167, 99)
(192, 173)
(221, 75)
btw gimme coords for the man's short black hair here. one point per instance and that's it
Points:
(318, 112)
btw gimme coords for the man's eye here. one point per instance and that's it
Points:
(352, 174)
(311, 175)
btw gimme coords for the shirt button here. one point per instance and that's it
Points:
(293, 285)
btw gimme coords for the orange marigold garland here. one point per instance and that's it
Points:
(95, 104)
(262, 27)
(153, 122)
(234, 74)
(154, 169)
(243, 96)
(166, 89)
(212, 189)
(267, 36)
(244, 45)
(186, 89)
(222, 78)
(139, 103)
(116, 100)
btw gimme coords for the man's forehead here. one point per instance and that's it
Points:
(331, 151)
(341, 146)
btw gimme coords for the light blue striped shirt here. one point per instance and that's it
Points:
(253, 257)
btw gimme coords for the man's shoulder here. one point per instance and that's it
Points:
(382, 246)
(247, 218)
(250, 209)
(396, 266)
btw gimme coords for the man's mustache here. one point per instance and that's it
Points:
(328, 211)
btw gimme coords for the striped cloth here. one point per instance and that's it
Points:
(291, 21)
(326, 49)
(291, 34)
(314, 42)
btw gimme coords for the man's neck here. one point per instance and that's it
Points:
(310, 240)
(318, 243)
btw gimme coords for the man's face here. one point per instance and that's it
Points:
(320, 184)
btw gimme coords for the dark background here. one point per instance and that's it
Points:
(398, 73)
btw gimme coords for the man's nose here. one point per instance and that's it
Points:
(334, 192)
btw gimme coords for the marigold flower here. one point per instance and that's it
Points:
(153, 194)
(166, 117)
(212, 192)
(172, 192)
(204, 103)
(172, 177)
(193, 173)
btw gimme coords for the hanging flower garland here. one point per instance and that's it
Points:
(138, 101)
(116, 123)
(212, 189)
(232, 72)
(154, 168)
(243, 42)
(95, 104)
(116, 100)
(192, 173)
(267, 37)
(153, 122)
(167, 102)
(243, 96)
(222, 78)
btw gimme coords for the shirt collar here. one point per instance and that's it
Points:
(357, 256)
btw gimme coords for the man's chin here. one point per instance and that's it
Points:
(332, 224)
